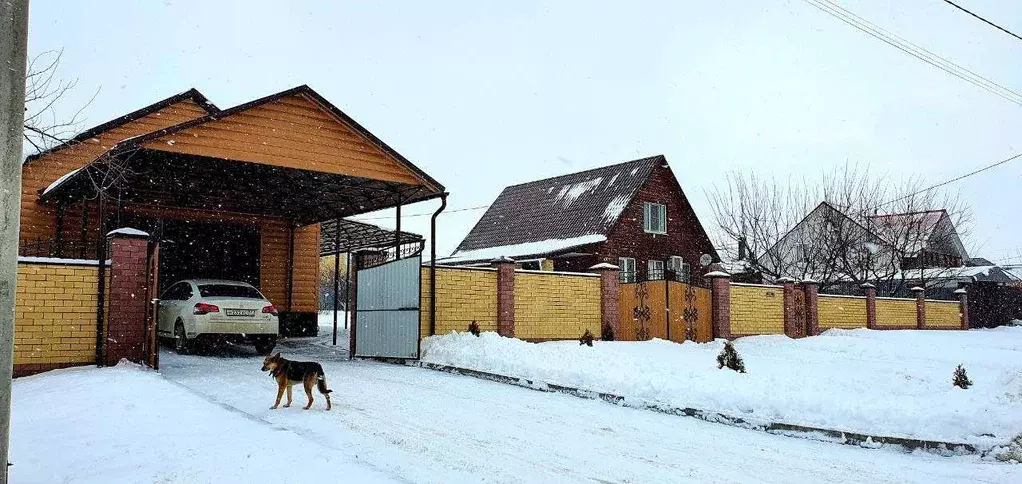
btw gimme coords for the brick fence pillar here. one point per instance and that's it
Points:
(505, 296)
(871, 305)
(720, 284)
(963, 306)
(788, 298)
(125, 323)
(920, 307)
(610, 294)
(812, 291)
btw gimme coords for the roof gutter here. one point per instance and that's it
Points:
(432, 264)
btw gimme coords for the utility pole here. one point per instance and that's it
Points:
(13, 45)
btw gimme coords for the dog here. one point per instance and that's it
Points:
(287, 373)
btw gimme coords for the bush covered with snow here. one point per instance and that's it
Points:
(890, 383)
(729, 358)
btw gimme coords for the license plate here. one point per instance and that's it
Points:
(248, 313)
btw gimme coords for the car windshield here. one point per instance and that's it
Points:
(229, 290)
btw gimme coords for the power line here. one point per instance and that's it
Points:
(423, 214)
(914, 50)
(998, 27)
(948, 182)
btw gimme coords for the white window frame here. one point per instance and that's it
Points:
(624, 264)
(647, 219)
(651, 270)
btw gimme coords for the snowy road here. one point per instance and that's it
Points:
(424, 426)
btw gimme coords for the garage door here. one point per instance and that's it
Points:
(387, 297)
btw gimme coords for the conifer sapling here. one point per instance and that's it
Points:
(961, 380)
(586, 339)
(473, 328)
(729, 357)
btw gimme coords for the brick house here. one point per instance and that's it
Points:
(633, 214)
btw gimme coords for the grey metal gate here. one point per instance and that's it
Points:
(387, 305)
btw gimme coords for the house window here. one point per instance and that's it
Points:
(655, 218)
(627, 266)
(680, 270)
(655, 270)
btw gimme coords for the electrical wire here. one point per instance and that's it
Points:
(998, 27)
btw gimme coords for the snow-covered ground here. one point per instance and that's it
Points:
(207, 419)
(887, 383)
(125, 424)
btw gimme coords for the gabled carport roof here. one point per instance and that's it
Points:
(291, 154)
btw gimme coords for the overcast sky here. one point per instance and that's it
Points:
(487, 94)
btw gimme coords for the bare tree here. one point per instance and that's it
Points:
(847, 228)
(44, 92)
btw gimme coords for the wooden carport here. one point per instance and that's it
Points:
(285, 163)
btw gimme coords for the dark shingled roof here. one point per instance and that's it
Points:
(564, 207)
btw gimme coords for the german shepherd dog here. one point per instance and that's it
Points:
(287, 373)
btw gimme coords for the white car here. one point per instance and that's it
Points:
(215, 309)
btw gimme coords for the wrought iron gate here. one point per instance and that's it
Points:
(387, 306)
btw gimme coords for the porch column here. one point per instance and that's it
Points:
(963, 308)
(812, 291)
(126, 331)
(788, 299)
(353, 265)
(505, 296)
(720, 284)
(871, 305)
(610, 293)
(920, 307)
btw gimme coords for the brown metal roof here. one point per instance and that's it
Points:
(564, 207)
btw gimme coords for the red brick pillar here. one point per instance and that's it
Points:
(125, 320)
(871, 305)
(610, 293)
(963, 307)
(505, 296)
(788, 298)
(920, 307)
(720, 284)
(812, 291)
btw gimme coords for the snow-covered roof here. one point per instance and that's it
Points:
(56, 183)
(966, 274)
(532, 216)
(524, 249)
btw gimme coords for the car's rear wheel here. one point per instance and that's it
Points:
(182, 345)
(265, 344)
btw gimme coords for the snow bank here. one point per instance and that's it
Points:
(889, 383)
(124, 424)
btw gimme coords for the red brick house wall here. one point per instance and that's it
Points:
(685, 235)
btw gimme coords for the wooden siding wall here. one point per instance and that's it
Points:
(943, 314)
(39, 221)
(306, 272)
(757, 309)
(463, 295)
(273, 254)
(292, 132)
(841, 312)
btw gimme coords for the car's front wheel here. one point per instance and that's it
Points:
(182, 345)
(265, 344)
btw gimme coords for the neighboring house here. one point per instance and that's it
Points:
(924, 239)
(634, 215)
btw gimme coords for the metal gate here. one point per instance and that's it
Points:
(387, 307)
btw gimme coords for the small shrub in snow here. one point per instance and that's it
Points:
(729, 357)
(586, 339)
(961, 380)
(473, 328)
(607, 333)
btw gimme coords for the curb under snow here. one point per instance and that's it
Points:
(789, 430)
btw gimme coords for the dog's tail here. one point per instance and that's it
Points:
(321, 384)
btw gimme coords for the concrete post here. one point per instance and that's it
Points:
(920, 307)
(871, 305)
(13, 48)
(125, 328)
(610, 294)
(505, 296)
(720, 285)
(963, 307)
(812, 291)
